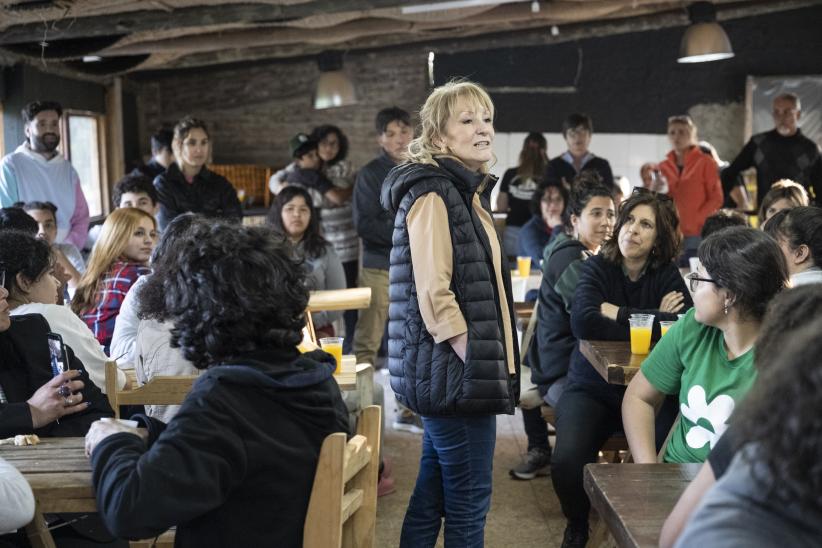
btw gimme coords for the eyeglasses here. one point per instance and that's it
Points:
(658, 195)
(694, 279)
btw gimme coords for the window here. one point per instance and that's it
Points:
(83, 147)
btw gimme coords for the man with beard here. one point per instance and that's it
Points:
(782, 153)
(36, 171)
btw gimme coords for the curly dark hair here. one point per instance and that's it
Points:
(321, 132)
(668, 236)
(231, 290)
(22, 253)
(152, 296)
(313, 242)
(588, 184)
(136, 183)
(786, 312)
(780, 416)
(798, 226)
(15, 218)
(748, 263)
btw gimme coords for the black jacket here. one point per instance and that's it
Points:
(375, 225)
(553, 342)
(209, 194)
(151, 170)
(429, 377)
(25, 366)
(776, 157)
(604, 281)
(558, 169)
(235, 466)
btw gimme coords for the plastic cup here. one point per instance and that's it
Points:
(665, 325)
(680, 316)
(641, 325)
(334, 346)
(524, 266)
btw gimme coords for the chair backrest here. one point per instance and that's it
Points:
(160, 390)
(342, 510)
(253, 179)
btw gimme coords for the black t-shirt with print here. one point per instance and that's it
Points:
(519, 190)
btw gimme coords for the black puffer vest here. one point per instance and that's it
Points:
(429, 378)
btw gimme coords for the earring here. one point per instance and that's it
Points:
(726, 309)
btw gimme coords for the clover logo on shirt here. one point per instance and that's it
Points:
(710, 419)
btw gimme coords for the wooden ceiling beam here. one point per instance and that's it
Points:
(467, 39)
(148, 20)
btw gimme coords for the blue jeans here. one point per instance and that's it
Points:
(454, 483)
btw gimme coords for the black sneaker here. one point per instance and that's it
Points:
(575, 537)
(537, 463)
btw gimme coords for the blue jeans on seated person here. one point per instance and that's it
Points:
(454, 483)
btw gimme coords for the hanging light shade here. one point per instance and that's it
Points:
(334, 87)
(705, 40)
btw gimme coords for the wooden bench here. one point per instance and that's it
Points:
(251, 179)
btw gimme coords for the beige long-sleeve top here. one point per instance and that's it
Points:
(432, 258)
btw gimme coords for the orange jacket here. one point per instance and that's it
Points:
(697, 191)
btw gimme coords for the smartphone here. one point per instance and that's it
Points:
(57, 354)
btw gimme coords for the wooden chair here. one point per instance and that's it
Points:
(342, 510)
(253, 179)
(160, 390)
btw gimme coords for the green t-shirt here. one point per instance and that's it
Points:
(691, 360)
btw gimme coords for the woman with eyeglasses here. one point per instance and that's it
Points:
(693, 180)
(707, 357)
(633, 273)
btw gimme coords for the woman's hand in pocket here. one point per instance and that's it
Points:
(460, 344)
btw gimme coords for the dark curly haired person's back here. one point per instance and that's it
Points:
(236, 464)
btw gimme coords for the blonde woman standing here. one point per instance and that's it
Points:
(453, 357)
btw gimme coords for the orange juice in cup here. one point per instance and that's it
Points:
(334, 346)
(524, 266)
(664, 326)
(641, 325)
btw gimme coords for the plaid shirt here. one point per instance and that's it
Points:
(113, 288)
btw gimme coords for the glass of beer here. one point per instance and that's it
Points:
(334, 346)
(524, 266)
(641, 325)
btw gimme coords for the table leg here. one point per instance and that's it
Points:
(38, 532)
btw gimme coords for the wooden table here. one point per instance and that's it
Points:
(60, 477)
(635, 499)
(612, 359)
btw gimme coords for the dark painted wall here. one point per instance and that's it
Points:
(25, 84)
(631, 83)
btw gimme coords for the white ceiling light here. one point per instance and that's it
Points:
(453, 5)
(334, 87)
(705, 40)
